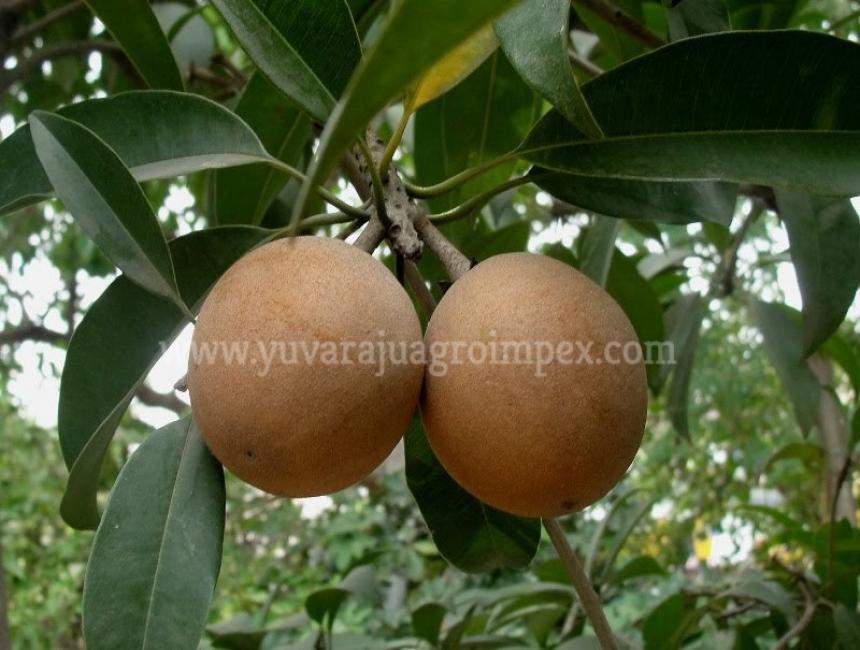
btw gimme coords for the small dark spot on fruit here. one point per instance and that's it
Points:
(568, 505)
(250, 455)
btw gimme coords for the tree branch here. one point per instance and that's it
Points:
(28, 331)
(72, 48)
(31, 30)
(804, 621)
(589, 68)
(724, 281)
(614, 15)
(399, 207)
(169, 401)
(456, 264)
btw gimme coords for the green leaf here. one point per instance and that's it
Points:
(415, 35)
(825, 237)
(243, 194)
(135, 27)
(847, 624)
(452, 69)
(157, 134)
(669, 623)
(535, 37)
(808, 453)
(113, 349)
(493, 110)
(684, 325)
(844, 353)
(695, 17)
(105, 200)
(307, 48)
(638, 567)
(641, 305)
(238, 633)
(784, 346)
(323, 605)
(471, 535)
(653, 264)
(598, 249)
(673, 115)
(754, 585)
(665, 202)
(157, 553)
(427, 622)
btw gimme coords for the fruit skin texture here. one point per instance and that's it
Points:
(529, 445)
(303, 429)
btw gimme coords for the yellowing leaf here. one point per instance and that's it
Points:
(455, 66)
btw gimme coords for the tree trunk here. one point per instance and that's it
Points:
(834, 442)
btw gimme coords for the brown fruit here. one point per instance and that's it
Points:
(293, 419)
(536, 446)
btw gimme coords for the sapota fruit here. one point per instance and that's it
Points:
(534, 439)
(310, 410)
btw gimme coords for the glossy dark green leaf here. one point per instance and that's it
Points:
(683, 325)
(306, 48)
(243, 194)
(535, 36)
(415, 35)
(113, 349)
(641, 305)
(157, 553)
(764, 14)
(825, 238)
(696, 17)
(664, 202)
(493, 110)
(598, 249)
(674, 115)
(98, 190)
(135, 27)
(427, 622)
(157, 134)
(784, 345)
(638, 567)
(471, 535)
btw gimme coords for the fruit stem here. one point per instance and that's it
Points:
(451, 184)
(587, 596)
(328, 197)
(393, 143)
(376, 181)
(473, 205)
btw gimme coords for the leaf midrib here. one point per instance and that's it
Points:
(583, 142)
(182, 461)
